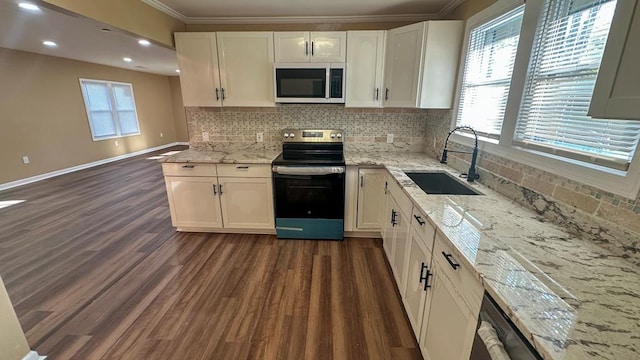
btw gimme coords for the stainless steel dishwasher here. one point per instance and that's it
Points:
(516, 347)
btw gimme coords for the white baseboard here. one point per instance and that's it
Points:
(48, 175)
(33, 355)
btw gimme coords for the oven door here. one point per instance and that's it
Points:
(309, 202)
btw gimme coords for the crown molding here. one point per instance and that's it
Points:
(297, 19)
(450, 7)
(165, 9)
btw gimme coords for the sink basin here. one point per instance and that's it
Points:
(440, 183)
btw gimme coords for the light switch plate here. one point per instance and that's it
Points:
(259, 137)
(25, 159)
(205, 136)
(389, 138)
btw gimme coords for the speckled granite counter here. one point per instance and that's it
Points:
(222, 157)
(570, 297)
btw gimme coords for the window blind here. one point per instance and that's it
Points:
(487, 73)
(562, 74)
(110, 108)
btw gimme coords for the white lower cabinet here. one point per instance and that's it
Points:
(206, 197)
(193, 202)
(448, 325)
(370, 198)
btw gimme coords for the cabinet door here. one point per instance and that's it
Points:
(193, 201)
(247, 203)
(617, 94)
(370, 198)
(404, 56)
(400, 254)
(330, 46)
(389, 221)
(246, 68)
(448, 332)
(292, 46)
(199, 75)
(415, 294)
(365, 66)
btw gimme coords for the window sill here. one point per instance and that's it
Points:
(626, 184)
(115, 137)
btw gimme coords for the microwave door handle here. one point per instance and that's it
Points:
(328, 81)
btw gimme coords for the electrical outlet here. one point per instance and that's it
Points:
(205, 136)
(389, 138)
(25, 159)
(259, 137)
(116, 142)
(161, 135)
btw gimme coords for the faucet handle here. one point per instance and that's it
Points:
(443, 159)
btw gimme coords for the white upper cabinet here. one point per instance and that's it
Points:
(198, 64)
(421, 63)
(246, 68)
(303, 46)
(617, 94)
(227, 68)
(365, 65)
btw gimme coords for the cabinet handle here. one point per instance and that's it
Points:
(419, 220)
(425, 277)
(306, 48)
(377, 94)
(455, 266)
(220, 188)
(386, 184)
(223, 95)
(214, 190)
(188, 166)
(386, 94)
(242, 167)
(312, 48)
(217, 94)
(393, 218)
(361, 180)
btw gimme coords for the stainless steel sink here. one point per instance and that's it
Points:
(440, 183)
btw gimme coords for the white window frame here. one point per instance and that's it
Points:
(626, 184)
(114, 112)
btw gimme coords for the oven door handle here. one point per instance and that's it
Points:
(308, 170)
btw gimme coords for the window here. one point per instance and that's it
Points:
(562, 74)
(526, 85)
(110, 108)
(487, 73)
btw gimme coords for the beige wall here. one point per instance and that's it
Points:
(132, 16)
(179, 114)
(468, 9)
(42, 114)
(13, 343)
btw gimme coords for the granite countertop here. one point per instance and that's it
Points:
(571, 298)
(222, 157)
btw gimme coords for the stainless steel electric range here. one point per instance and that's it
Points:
(308, 182)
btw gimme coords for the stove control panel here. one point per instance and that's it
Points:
(300, 135)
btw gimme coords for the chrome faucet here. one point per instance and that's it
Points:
(472, 174)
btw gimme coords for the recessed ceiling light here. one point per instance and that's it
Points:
(144, 42)
(127, 59)
(49, 43)
(178, 71)
(28, 6)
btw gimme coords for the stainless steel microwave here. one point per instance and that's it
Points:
(309, 82)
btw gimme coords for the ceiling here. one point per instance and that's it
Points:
(80, 38)
(221, 11)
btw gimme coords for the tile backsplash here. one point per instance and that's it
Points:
(365, 129)
(607, 219)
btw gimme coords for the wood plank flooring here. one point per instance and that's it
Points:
(95, 271)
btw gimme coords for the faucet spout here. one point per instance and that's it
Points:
(472, 174)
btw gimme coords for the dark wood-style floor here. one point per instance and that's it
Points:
(95, 271)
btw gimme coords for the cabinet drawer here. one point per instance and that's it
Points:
(461, 280)
(188, 169)
(404, 203)
(244, 170)
(423, 226)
